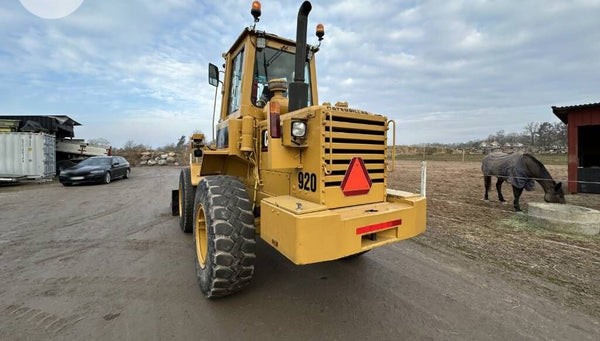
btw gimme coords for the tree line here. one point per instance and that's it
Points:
(540, 135)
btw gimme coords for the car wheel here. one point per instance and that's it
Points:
(224, 236)
(107, 178)
(127, 172)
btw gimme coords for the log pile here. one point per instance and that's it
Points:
(153, 158)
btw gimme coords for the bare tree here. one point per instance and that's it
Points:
(129, 145)
(531, 129)
(545, 135)
(560, 131)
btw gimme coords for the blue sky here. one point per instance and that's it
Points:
(446, 71)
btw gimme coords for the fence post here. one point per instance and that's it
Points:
(424, 179)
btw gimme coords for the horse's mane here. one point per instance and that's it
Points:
(545, 174)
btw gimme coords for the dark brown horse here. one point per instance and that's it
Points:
(520, 170)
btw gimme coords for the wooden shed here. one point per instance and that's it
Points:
(583, 140)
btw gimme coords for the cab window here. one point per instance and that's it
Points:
(271, 63)
(235, 83)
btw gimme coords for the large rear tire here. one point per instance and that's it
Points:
(224, 236)
(186, 201)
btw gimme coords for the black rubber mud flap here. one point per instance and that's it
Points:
(175, 202)
(188, 192)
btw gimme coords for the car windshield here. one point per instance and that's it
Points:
(270, 64)
(95, 162)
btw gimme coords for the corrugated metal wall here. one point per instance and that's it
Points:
(27, 154)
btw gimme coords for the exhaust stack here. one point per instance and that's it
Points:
(298, 96)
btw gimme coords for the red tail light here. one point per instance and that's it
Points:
(274, 121)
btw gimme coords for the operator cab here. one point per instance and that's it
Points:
(258, 57)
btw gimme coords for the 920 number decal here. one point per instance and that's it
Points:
(307, 181)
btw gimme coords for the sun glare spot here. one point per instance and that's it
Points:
(51, 9)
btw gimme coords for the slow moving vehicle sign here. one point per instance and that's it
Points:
(357, 180)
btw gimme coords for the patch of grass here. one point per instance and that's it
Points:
(517, 222)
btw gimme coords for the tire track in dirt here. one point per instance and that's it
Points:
(28, 317)
(6, 242)
(24, 231)
(106, 243)
(142, 288)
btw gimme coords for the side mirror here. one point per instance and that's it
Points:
(213, 75)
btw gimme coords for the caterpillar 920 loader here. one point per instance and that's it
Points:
(310, 179)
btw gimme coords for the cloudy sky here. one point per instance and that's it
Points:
(447, 71)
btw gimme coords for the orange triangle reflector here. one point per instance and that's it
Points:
(357, 180)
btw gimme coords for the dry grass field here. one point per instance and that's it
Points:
(565, 268)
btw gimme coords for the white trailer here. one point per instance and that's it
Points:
(27, 156)
(80, 148)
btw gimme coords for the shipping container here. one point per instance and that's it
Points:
(30, 155)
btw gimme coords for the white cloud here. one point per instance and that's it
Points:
(446, 70)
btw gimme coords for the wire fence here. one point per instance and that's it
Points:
(546, 179)
(521, 178)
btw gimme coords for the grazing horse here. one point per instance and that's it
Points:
(520, 170)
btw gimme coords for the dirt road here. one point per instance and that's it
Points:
(108, 262)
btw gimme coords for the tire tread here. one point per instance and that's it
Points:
(230, 224)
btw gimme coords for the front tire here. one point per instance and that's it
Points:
(186, 201)
(224, 236)
(127, 172)
(107, 178)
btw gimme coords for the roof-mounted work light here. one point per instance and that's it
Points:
(255, 11)
(320, 31)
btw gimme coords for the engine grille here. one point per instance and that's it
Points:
(352, 133)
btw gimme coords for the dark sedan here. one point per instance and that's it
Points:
(97, 169)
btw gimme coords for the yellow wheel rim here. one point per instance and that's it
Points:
(201, 236)
(180, 200)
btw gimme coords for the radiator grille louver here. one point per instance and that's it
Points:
(349, 135)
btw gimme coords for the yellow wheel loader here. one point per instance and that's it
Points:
(310, 180)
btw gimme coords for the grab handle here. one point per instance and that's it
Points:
(387, 124)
